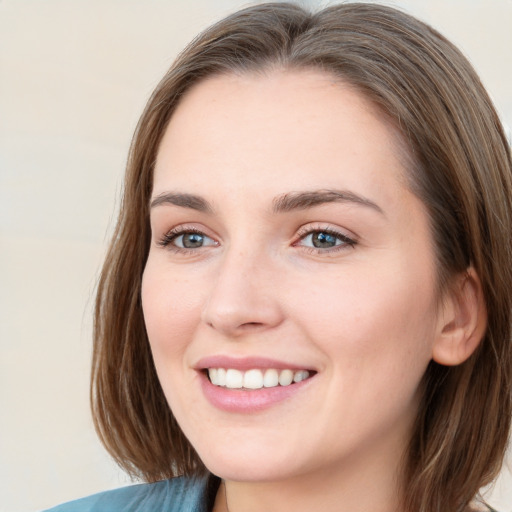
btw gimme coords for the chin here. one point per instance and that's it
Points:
(250, 466)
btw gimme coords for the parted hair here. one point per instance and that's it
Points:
(459, 166)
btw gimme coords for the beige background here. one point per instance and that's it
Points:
(74, 76)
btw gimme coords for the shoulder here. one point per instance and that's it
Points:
(175, 495)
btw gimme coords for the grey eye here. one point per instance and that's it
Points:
(323, 240)
(192, 240)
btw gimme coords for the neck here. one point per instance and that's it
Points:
(355, 488)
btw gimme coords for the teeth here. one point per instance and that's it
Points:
(213, 374)
(286, 378)
(255, 379)
(300, 375)
(271, 378)
(221, 377)
(234, 379)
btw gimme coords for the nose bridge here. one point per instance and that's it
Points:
(243, 296)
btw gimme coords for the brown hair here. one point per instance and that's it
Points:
(461, 170)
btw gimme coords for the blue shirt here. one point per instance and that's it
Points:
(175, 495)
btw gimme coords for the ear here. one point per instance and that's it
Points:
(462, 320)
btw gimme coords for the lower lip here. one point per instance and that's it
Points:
(246, 401)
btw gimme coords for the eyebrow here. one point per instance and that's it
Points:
(309, 199)
(184, 200)
(281, 204)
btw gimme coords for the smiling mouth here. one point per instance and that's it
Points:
(231, 378)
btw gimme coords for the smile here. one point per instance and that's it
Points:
(232, 378)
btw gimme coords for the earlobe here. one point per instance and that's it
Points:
(462, 320)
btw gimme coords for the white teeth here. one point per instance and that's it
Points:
(300, 375)
(285, 377)
(212, 373)
(271, 378)
(234, 379)
(221, 377)
(255, 378)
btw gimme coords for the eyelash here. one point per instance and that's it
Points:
(168, 239)
(346, 241)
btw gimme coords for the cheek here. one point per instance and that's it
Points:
(171, 311)
(388, 320)
(379, 338)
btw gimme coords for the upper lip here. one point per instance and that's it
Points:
(246, 363)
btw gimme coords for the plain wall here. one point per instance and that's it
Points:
(74, 77)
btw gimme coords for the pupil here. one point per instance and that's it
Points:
(323, 240)
(192, 240)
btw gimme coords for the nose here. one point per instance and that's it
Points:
(244, 297)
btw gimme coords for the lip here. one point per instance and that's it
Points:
(247, 363)
(248, 401)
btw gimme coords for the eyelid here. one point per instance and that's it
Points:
(349, 239)
(166, 240)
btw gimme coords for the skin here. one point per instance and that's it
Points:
(363, 315)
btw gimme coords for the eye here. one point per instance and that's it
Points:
(192, 240)
(323, 240)
(186, 239)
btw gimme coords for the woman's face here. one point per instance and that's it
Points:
(286, 245)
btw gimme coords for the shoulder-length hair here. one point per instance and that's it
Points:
(460, 167)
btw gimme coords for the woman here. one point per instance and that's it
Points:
(306, 304)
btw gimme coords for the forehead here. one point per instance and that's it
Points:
(262, 128)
